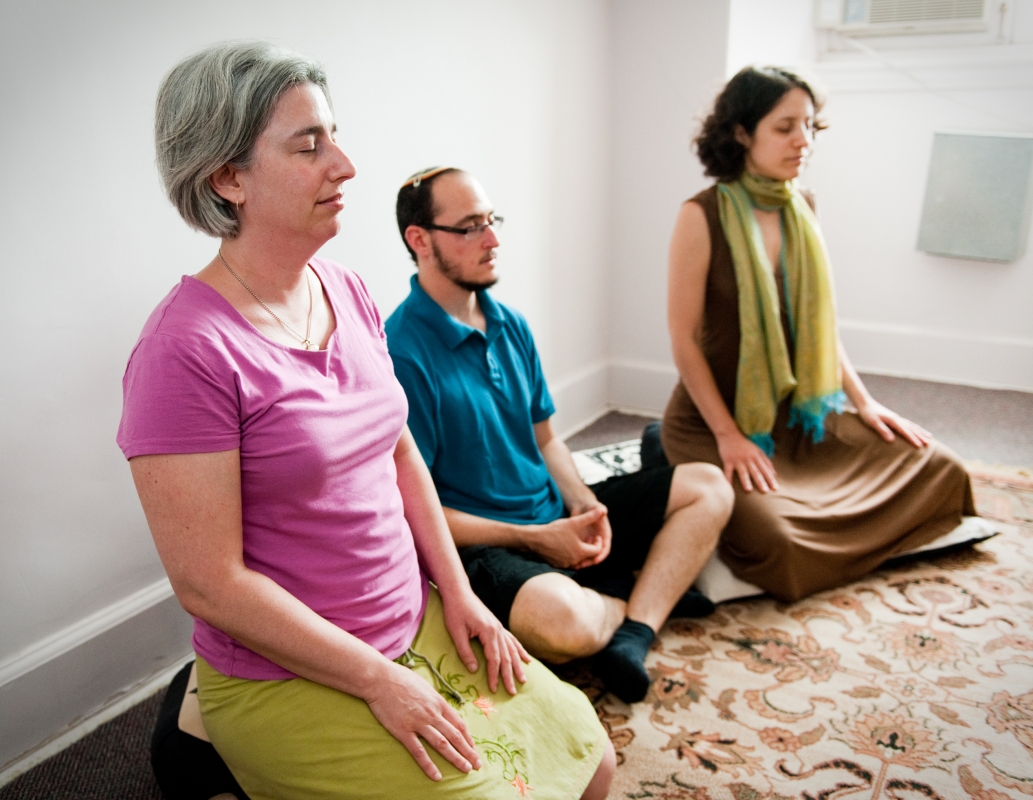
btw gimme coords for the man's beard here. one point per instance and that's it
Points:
(451, 271)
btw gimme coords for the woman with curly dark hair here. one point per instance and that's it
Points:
(829, 483)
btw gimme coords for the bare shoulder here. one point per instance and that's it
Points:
(690, 242)
(687, 269)
(691, 213)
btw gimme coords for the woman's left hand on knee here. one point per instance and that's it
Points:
(885, 422)
(466, 618)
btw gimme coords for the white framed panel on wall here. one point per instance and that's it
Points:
(978, 196)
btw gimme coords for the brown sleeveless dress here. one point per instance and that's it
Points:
(844, 505)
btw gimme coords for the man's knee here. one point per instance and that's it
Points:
(556, 616)
(703, 486)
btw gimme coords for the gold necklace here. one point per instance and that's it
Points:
(305, 340)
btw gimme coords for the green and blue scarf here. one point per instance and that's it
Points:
(765, 376)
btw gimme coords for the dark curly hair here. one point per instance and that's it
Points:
(746, 100)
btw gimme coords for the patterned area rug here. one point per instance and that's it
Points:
(916, 682)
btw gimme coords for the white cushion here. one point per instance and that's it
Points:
(717, 582)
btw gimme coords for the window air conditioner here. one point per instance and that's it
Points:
(901, 17)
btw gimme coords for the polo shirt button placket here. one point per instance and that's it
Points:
(494, 371)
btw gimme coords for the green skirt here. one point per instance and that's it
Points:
(299, 739)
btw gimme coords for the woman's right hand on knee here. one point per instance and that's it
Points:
(410, 710)
(742, 457)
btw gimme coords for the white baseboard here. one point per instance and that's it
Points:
(129, 698)
(95, 624)
(635, 411)
(580, 398)
(641, 386)
(987, 362)
(56, 684)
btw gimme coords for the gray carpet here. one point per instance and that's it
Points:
(111, 762)
(988, 425)
(993, 426)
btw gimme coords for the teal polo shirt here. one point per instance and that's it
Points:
(474, 399)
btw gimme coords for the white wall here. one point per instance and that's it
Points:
(517, 92)
(669, 61)
(577, 117)
(761, 32)
(902, 311)
(571, 292)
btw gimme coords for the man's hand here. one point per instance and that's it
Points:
(581, 540)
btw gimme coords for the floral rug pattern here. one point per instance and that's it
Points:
(916, 682)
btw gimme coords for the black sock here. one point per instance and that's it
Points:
(621, 664)
(693, 604)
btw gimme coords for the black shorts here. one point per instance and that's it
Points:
(636, 504)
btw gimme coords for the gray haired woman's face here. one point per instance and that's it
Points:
(293, 186)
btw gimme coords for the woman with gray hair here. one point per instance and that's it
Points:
(292, 511)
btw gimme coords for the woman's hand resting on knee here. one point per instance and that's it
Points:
(409, 709)
(884, 422)
(874, 414)
(466, 618)
(741, 457)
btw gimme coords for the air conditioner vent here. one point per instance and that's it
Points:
(898, 11)
(901, 17)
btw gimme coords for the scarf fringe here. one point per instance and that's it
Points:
(811, 415)
(765, 443)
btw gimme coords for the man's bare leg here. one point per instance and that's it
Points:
(698, 506)
(558, 620)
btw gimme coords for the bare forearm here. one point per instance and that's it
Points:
(430, 530)
(466, 617)
(699, 382)
(565, 542)
(260, 614)
(739, 456)
(192, 503)
(560, 463)
(469, 529)
(688, 267)
(852, 384)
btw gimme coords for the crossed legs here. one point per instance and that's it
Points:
(558, 620)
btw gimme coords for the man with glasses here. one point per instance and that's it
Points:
(554, 559)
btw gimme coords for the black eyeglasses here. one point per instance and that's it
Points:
(470, 233)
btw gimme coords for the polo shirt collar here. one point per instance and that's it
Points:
(451, 331)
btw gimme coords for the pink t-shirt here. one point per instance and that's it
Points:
(322, 514)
